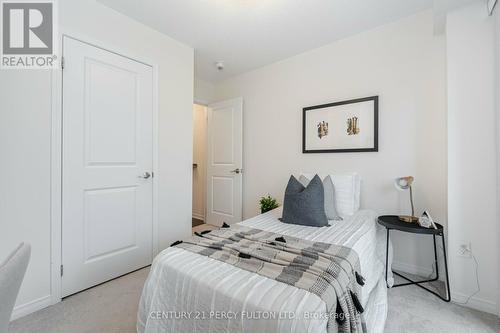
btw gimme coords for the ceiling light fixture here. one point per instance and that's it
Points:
(219, 65)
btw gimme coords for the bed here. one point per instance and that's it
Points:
(187, 292)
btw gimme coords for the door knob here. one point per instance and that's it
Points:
(145, 175)
(236, 171)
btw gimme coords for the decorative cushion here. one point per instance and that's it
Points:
(347, 192)
(305, 205)
(330, 204)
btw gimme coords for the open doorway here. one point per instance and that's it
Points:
(217, 163)
(199, 163)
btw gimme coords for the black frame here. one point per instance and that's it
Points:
(388, 223)
(418, 283)
(349, 150)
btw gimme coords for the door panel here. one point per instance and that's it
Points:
(107, 146)
(222, 195)
(223, 137)
(106, 106)
(225, 161)
(106, 211)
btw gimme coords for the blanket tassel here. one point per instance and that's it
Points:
(280, 239)
(339, 314)
(360, 279)
(244, 255)
(357, 303)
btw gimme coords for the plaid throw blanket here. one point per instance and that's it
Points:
(329, 271)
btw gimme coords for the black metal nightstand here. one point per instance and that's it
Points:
(392, 222)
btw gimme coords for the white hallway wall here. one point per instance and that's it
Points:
(204, 92)
(403, 63)
(472, 170)
(25, 140)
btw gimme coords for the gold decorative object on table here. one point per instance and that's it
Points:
(403, 184)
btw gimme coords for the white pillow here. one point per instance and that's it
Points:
(347, 192)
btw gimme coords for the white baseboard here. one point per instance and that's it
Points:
(30, 307)
(198, 217)
(457, 297)
(474, 303)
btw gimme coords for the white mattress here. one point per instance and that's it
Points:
(187, 292)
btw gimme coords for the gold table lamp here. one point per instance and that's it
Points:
(403, 184)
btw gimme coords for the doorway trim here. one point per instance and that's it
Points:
(56, 157)
(205, 140)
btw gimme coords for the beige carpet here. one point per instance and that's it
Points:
(204, 227)
(108, 308)
(412, 309)
(112, 307)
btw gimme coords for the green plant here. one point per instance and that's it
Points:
(267, 203)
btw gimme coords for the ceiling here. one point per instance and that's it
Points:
(248, 34)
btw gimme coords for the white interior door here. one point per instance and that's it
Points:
(225, 162)
(107, 166)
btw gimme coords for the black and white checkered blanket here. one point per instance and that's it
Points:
(326, 270)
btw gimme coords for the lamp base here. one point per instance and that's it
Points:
(408, 219)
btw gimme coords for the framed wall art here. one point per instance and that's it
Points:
(341, 127)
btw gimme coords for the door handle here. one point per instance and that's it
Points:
(237, 171)
(145, 175)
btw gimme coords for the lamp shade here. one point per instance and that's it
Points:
(403, 183)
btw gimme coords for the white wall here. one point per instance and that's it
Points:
(25, 127)
(199, 157)
(472, 153)
(204, 92)
(403, 63)
(25, 103)
(497, 112)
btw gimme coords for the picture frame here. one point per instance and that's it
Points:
(341, 127)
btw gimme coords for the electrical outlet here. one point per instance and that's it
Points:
(465, 250)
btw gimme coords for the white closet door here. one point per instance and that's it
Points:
(225, 161)
(107, 165)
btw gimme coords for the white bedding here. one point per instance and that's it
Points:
(187, 292)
